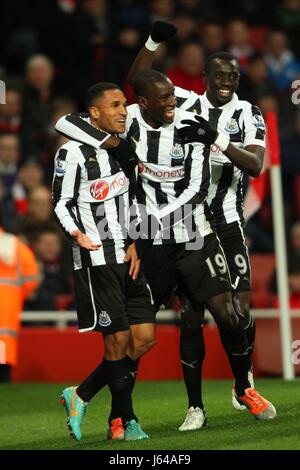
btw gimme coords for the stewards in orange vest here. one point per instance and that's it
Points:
(18, 279)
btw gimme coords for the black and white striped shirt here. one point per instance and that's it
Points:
(91, 194)
(245, 125)
(173, 179)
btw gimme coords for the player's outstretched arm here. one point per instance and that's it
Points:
(161, 31)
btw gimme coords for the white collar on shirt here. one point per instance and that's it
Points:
(231, 104)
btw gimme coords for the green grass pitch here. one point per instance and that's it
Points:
(32, 418)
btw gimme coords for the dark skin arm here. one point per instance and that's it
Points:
(110, 143)
(142, 62)
(249, 159)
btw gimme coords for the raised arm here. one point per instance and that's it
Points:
(160, 32)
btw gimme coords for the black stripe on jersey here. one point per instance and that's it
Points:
(114, 165)
(240, 199)
(91, 164)
(213, 116)
(86, 259)
(133, 134)
(153, 146)
(205, 183)
(108, 244)
(57, 183)
(260, 133)
(77, 120)
(216, 205)
(180, 101)
(162, 200)
(238, 136)
(196, 107)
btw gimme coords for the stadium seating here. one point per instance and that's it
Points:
(262, 266)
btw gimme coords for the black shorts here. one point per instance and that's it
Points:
(108, 300)
(200, 274)
(233, 243)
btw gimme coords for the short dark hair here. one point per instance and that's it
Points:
(97, 90)
(144, 80)
(222, 55)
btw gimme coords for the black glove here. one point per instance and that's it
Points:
(200, 131)
(125, 156)
(161, 31)
(146, 231)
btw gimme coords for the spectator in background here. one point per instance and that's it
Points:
(255, 83)
(30, 176)
(239, 45)
(55, 274)
(9, 157)
(282, 66)
(288, 17)
(290, 169)
(38, 99)
(39, 212)
(18, 279)
(187, 31)
(212, 38)
(187, 70)
(88, 35)
(11, 111)
(161, 10)
(124, 49)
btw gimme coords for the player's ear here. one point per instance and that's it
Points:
(143, 102)
(94, 112)
(204, 76)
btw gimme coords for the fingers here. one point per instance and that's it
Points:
(96, 246)
(200, 119)
(189, 122)
(136, 270)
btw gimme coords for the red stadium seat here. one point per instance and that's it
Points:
(262, 266)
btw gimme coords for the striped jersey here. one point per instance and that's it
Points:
(245, 125)
(173, 179)
(91, 193)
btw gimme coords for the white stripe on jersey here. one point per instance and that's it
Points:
(245, 126)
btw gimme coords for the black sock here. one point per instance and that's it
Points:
(236, 347)
(92, 384)
(133, 368)
(118, 379)
(250, 330)
(192, 353)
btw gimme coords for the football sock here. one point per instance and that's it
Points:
(236, 347)
(133, 368)
(118, 379)
(192, 353)
(92, 384)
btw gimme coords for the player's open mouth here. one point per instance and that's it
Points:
(170, 113)
(225, 93)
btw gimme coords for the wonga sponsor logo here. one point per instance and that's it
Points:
(99, 190)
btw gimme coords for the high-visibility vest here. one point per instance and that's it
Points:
(18, 279)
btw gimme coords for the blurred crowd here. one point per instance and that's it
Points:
(52, 50)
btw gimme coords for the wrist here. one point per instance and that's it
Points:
(151, 45)
(222, 141)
